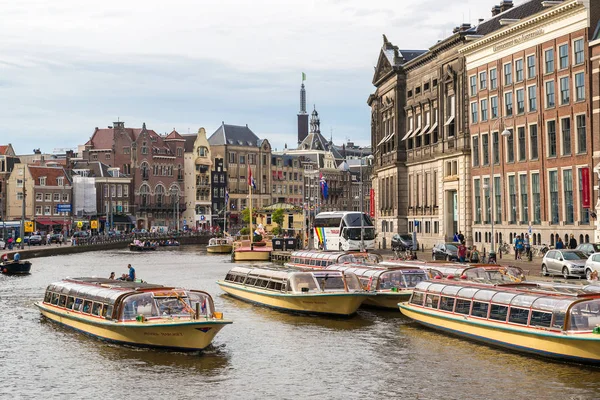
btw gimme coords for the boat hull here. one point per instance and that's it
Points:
(219, 248)
(340, 304)
(578, 347)
(15, 268)
(387, 300)
(181, 336)
(142, 248)
(251, 255)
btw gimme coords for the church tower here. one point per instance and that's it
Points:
(315, 122)
(302, 115)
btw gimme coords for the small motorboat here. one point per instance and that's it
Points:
(138, 247)
(169, 243)
(15, 267)
(222, 245)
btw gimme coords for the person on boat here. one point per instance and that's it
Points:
(17, 257)
(131, 276)
(112, 276)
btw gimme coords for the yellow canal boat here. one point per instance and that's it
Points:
(556, 322)
(221, 245)
(132, 313)
(315, 292)
(318, 259)
(387, 286)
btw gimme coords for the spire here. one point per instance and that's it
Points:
(302, 100)
(315, 123)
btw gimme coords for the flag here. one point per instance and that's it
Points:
(324, 187)
(251, 178)
(226, 196)
(303, 77)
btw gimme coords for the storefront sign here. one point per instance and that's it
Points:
(519, 39)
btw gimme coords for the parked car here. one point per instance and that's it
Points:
(592, 264)
(445, 251)
(564, 262)
(403, 242)
(589, 248)
(56, 238)
(35, 240)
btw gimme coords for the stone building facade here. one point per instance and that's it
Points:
(8, 159)
(197, 181)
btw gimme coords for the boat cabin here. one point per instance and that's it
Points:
(293, 281)
(378, 279)
(524, 306)
(322, 259)
(127, 301)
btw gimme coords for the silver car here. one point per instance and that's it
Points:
(564, 262)
(592, 264)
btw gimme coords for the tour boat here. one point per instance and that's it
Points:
(315, 292)
(141, 247)
(15, 267)
(388, 286)
(552, 322)
(132, 313)
(222, 245)
(318, 259)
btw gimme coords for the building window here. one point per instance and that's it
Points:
(125, 191)
(565, 124)
(485, 149)
(477, 192)
(483, 80)
(579, 56)
(532, 95)
(126, 150)
(19, 195)
(179, 152)
(522, 147)
(551, 138)
(38, 210)
(498, 199)
(107, 156)
(549, 57)
(474, 113)
(581, 134)
(520, 101)
(48, 197)
(493, 79)
(232, 158)
(519, 70)
(494, 104)
(550, 94)
(43, 181)
(473, 81)
(512, 196)
(56, 197)
(533, 141)
(524, 203)
(47, 210)
(531, 67)
(564, 90)
(475, 151)
(553, 197)
(579, 87)
(242, 159)
(568, 189)
(65, 197)
(484, 110)
(563, 54)
(507, 74)
(495, 149)
(584, 213)
(510, 147)
(508, 104)
(488, 208)
(535, 192)
(39, 197)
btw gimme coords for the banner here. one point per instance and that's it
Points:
(372, 203)
(585, 187)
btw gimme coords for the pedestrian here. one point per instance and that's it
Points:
(461, 237)
(518, 247)
(462, 252)
(474, 258)
(48, 236)
(572, 242)
(527, 245)
(559, 244)
(455, 239)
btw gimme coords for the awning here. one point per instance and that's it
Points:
(424, 130)
(274, 174)
(121, 219)
(48, 221)
(433, 127)
(449, 121)
(407, 135)
(415, 132)
(280, 175)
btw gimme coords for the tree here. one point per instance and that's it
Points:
(246, 216)
(277, 217)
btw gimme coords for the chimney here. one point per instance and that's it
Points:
(465, 27)
(495, 11)
(506, 5)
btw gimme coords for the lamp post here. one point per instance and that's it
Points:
(505, 133)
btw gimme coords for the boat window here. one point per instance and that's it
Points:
(104, 310)
(484, 295)
(447, 303)
(435, 288)
(55, 297)
(48, 297)
(413, 278)
(62, 300)
(206, 306)
(551, 304)
(498, 312)
(585, 316)
(480, 309)
(300, 282)
(70, 302)
(432, 301)
(107, 313)
(250, 281)
(467, 292)
(352, 281)
(462, 306)
(87, 306)
(78, 303)
(417, 298)
(97, 309)
(451, 290)
(540, 318)
(331, 282)
(523, 300)
(503, 298)
(229, 277)
(391, 279)
(518, 316)
(264, 283)
(172, 305)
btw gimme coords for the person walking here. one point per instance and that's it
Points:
(527, 245)
(518, 247)
(474, 257)
(572, 242)
(559, 244)
(462, 252)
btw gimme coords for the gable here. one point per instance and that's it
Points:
(383, 67)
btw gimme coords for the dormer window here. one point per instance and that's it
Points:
(60, 180)
(43, 181)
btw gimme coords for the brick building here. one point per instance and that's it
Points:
(155, 164)
(8, 159)
(530, 77)
(197, 169)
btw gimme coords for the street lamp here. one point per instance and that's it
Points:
(505, 133)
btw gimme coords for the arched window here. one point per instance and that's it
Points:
(587, 238)
(551, 239)
(144, 195)
(581, 239)
(145, 168)
(539, 238)
(566, 240)
(159, 195)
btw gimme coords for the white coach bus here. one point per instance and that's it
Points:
(340, 230)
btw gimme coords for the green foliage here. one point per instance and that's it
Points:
(277, 217)
(276, 231)
(246, 216)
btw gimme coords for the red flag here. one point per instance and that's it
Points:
(250, 178)
(585, 187)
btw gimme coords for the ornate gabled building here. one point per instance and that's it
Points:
(197, 181)
(8, 159)
(387, 122)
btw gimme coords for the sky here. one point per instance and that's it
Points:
(69, 66)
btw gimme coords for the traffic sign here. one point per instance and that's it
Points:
(79, 224)
(94, 224)
(28, 226)
(63, 207)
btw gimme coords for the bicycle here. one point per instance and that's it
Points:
(504, 247)
(540, 250)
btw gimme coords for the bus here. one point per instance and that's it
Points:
(340, 230)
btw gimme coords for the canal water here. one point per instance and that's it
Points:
(263, 354)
